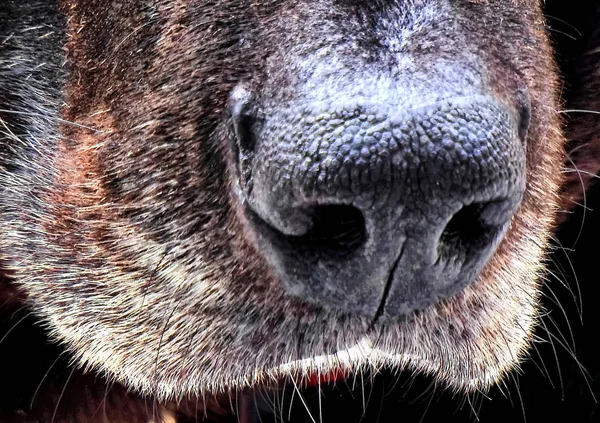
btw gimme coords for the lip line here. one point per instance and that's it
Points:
(344, 358)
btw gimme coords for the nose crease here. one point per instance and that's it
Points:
(388, 286)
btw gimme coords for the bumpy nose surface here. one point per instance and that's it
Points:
(380, 213)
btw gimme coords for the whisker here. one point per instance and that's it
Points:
(555, 352)
(431, 397)
(39, 386)
(594, 112)
(320, 395)
(571, 346)
(61, 395)
(13, 327)
(566, 34)
(584, 203)
(573, 27)
(303, 401)
(593, 175)
(46, 117)
(585, 373)
(514, 377)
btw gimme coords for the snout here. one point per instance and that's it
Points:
(378, 210)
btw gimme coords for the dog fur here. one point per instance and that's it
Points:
(121, 232)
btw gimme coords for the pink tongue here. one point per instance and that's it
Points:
(317, 379)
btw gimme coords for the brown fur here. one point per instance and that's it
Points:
(128, 243)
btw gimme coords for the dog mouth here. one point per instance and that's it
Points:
(300, 390)
(301, 386)
(300, 383)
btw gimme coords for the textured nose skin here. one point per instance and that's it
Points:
(380, 213)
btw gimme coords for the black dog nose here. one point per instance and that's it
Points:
(378, 212)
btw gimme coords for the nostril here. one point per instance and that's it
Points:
(241, 114)
(525, 112)
(468, 233)
(337, 228)
(244, 121)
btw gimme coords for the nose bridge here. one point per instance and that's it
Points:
(329, 46)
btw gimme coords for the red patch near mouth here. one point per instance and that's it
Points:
(317, 379)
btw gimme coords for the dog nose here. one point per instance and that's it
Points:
(371, 211)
